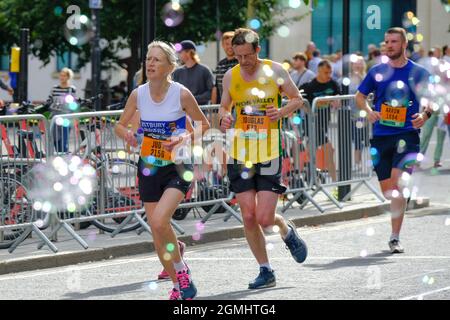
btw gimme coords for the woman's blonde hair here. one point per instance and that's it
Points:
(68, 72)
(168, 50)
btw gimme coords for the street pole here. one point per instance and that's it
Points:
(344, 114)
(149, 30)
(23, 73)
(95, 6)
(218, 38)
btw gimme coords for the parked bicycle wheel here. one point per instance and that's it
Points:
(16, 208)
(119, 179)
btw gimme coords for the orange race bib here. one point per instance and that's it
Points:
(154, 147)
(393, 116)
(256, 120)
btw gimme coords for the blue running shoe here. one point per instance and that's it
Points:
(187, 287)
(265, 279)
(295, 244)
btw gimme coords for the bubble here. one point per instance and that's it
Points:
(248, 164)
(384, 59)
(419, 200)
(249, 38)
(178, 47)
(39, 223)
(415, 21)
(196, 236)
(420, 157)
(167, 256)
(153, 285)
(244, 175)
(59, 121)
(406, 176)
(363, 114)
(38, 43)
(379, 77)
(261, 94)
(280, 81)
(406, 193)
(37, 205)
(81, 200)
(188, 176)
(346, 81)
(47, 206)
(170, 247)
(115, 169)
(447, 221)
(86, 186)
(283, 31)
(200, 227)
(297, 120)
(268, 71)
(370, 231)
(373, 151)
(198, 151)
(248, 109)
(71, 207)
(103, 44)
(121, 154)
(294, 4)
(419, 37)
(276, 229)
(255, 91)
(425, 279)
(58, 11)
(78, 30)
(286, 66)
(410, 36)
(66, 123)
(399, 92)
(363, 253)
(254, 24)
(57, 186)
(359, 124)
(269, 246)
(395, 194)
(172, 14)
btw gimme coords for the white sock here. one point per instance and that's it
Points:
(288, 234)
(179, 266)
(266, 265)
(395, 236)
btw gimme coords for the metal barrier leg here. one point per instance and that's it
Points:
(231, 213)
(211, 212)
(374, 191)
(329, 196)
(39, 233)
(55, 230)
(313, 202)
(291, 202)
(177, 227)
(122, 225)
(72, 232)
(310, 198)
(348, 195)
(21, 238)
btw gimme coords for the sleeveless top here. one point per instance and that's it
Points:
(255, 138)
(159, 121)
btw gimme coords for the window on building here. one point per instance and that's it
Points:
(67, 60)
(327, 24)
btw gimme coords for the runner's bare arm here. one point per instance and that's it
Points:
(290, 89)
(121, 129)
(225, 104)
(361, 103)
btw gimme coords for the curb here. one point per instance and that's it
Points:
(98, 254)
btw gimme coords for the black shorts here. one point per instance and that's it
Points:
(396, 151)
(260, 177)
(155, 180)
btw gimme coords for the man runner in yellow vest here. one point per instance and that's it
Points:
(252, 90)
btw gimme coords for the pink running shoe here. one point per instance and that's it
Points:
(164, 275)
(174, 294)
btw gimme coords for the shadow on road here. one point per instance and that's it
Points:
(374, 259)
(242, 294)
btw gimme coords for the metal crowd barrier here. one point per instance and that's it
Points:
(339, 147)
(23, 145)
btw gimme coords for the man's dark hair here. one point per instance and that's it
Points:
(243, 36)
(316, 53)
(324, 63)
(398, 30)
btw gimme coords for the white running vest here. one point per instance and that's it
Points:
(160, 120)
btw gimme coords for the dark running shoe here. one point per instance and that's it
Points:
(265, 279)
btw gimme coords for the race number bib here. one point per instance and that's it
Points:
(393, 116)
(256, 120)
(154, 147)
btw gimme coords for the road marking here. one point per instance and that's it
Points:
(420, 296)
(148, 259)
